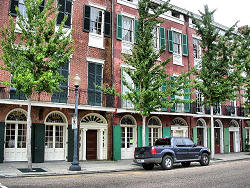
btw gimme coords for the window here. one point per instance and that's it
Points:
(188, 142)
(62, 96)
(163, 142)
(125, 89)
(199, 101)
(177, 42)
(197, 49)
(94, 79)
(96, 21)
(154, 127)
(21, 7)
(175, 14)
(156, 38)
(127, 29)
(64, 8)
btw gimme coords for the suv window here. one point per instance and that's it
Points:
(163, 142)
(188, 142)
(179, 142)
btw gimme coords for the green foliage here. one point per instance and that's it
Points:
(216, 77)
(241, 63)
(32, 51)
(149, 75)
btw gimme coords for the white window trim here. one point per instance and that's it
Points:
(127, 66)
(95, 60)
(97, 6)
(126, 45)
(133, 5)
(178, 55)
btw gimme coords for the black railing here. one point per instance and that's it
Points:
(66, 96)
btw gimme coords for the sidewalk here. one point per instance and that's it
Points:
(10, 169)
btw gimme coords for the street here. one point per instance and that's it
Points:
(223, 174)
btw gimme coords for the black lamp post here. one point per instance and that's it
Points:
(75, 164)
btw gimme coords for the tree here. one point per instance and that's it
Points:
(241, 63)
(151, 86)
(215, 75)
(34, 57)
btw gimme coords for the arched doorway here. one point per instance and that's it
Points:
(179, 128)
(15, 136)
(55, 136)
(218, 137)
(154, 130)
(93, 137)
(201, 132)
(234, 136)
(128, 137)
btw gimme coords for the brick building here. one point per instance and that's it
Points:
(108, 127)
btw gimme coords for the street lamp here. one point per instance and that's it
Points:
(75, 164)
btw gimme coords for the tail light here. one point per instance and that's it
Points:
(153, 150)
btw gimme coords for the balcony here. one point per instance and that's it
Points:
(66, 96)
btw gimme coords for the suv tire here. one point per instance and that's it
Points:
(204, 159)
(167, 162)
(148, 166)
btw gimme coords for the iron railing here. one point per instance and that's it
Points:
(67, 96)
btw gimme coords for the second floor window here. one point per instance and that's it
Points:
(96, 17)
(197, 49)
(156, 38)
(177, 42)
(65, 9)
(127, 29)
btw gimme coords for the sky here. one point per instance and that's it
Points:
(227, 11)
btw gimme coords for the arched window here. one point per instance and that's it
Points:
(154, 130)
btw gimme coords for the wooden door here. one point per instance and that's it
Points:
(217, 140)
(91, 144)
(231, 141)
(200, 137)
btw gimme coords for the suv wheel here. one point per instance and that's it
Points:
(167, 162)
(185, 164)
(148, 166)
(204, 159)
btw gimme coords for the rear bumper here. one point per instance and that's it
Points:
(148, 160)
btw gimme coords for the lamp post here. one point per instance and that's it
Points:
(75, 164)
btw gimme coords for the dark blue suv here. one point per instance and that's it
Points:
(170, 150)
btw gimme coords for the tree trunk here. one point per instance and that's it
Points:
(212, 131)
(28, 141)
(143, 131)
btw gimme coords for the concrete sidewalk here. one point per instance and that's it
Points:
(10, 169)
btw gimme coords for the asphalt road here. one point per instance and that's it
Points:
(224, 174)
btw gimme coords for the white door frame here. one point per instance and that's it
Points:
(127, 153)
(204, 127)
(100, 124)
(65, 135)
(20, 154)
(159, 126)
(221, 135)
(179, 124)
(236, 134)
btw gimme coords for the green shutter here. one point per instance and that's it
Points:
(184, 45)
(136, 30)
(119, 27)
(244, 137)
(226, 140)
(107, 23)
(146, 135)
(209, 138)
(70, 143)
(38, 142)
(172, 97)
(139, 136)
(2, 131)
(13, 5)
(186, 97)
(116, 142)
(195, 135)
(86, 18)
(166, 132)
(162, 38)
(170, 41)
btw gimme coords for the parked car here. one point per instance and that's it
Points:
(170, 150)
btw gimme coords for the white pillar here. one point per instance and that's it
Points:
(101, 144)
(84, 143)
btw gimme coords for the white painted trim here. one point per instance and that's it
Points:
(133, 5)
(16, 109)
(128, 15)
(132, 117)
(196, 36)
(97, 6)
(97, 115)
(95, 60)
(127, 66)
(177, 30)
